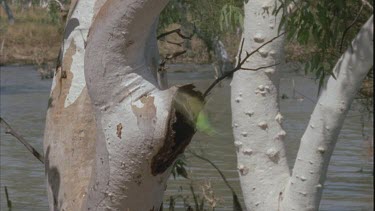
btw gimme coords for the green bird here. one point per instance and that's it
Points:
(190, 104)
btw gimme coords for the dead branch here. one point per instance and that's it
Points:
(350, 26)
(217, 169)
(240, 62)
(9, 202)
(175, 43)
(235, 197)
(9, 130)
(169, 57)
(178, 32)
(367, 4)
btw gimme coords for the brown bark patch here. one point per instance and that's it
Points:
(146, 115)
(119, 130)
(71, 132)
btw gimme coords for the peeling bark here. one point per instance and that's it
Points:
(130, 98)
(113, 150)
(70, 132)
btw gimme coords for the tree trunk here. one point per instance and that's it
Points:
(8, 11)
(70, 133)
(125, 123)
(141, 127)
(265, 179)
(258, 135)
(305, 187)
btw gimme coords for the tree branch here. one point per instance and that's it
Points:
(240, 62)
(178, 32)
(305, 186)
(61, 5)
(350, 26)
(9, 202)
(169, 57)
(235, 197)
(364, 2)
(175, 54)
(9, 130)
(175, 43)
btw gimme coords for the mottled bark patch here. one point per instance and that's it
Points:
(63, 131)
(186, 106)
(146, 115)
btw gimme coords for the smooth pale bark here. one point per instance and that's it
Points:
(70, 132)
(258, 135)
(141, 126)
(264, 175)
(305, 187)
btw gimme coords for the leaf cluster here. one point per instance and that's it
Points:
(326, 27)
(210, 18)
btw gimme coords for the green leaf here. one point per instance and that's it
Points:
(204, 125)
(181, 171)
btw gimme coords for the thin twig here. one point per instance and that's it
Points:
(178, 32)
(9, 202)
(367, 4)
(217, 169)
(350, 26)
(194, 197)
(62, 8)
(241, 62)
(174, 43)
(9, 130)
(169, 57)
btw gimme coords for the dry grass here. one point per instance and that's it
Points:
(31, 39)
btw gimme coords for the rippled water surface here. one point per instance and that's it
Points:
(349, 185)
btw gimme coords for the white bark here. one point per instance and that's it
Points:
(265, 179)
(304, 190)
(141, 128)
(70, 133)
(256, 119)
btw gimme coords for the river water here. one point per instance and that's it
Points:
(349, 185)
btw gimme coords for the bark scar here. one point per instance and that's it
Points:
(119, 130)
(146, 115)
(279, 201)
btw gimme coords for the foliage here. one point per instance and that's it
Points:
(325, 26)
(54, 12)
(204, 16)
(179, 168)
(31, 37)
(231, 17)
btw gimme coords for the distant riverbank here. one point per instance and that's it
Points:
(32, 39)
(35, 38)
